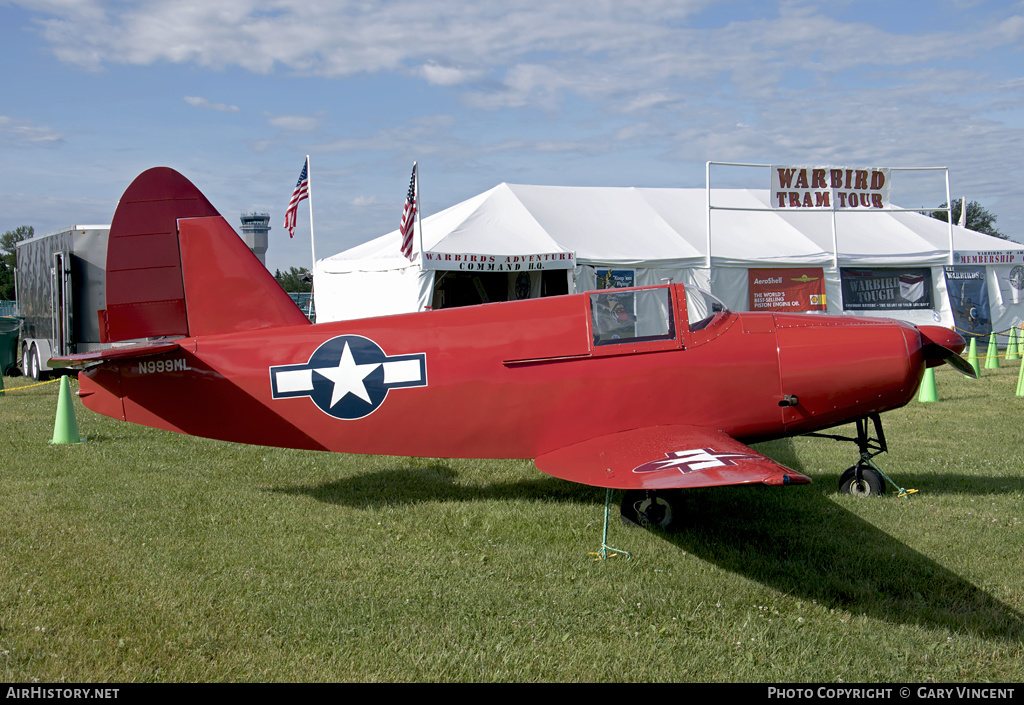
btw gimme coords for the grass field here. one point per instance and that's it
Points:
(143, 555)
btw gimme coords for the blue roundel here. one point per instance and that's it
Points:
(349, 376)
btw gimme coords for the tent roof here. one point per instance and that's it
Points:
(666, 227)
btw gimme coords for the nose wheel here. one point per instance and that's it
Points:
(865, 479)
(862, 480)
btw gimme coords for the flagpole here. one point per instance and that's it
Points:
(419, 208)
(309, 191)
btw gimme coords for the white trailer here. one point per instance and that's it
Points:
(60, 281)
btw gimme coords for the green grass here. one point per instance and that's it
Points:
(144, 555)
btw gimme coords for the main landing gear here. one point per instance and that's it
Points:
(662, 508)
(864, 479)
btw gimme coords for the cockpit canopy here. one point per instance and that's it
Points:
(649, 314)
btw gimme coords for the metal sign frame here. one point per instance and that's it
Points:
(832, 208)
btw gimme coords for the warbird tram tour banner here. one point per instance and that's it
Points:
(829, 187)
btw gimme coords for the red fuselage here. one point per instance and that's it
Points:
(514, 380)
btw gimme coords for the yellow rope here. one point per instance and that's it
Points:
(38, 384)
(1007, 332)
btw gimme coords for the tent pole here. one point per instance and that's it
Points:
(949, 217)
(707, 188)
(835, 235)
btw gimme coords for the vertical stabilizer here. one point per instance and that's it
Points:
(152, 268)
(145, 294)
(227, 290)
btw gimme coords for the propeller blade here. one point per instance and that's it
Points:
(934, 351)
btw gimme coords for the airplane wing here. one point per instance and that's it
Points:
(665, 457)
(119, 352)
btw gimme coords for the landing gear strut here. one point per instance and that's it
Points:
(864, 479)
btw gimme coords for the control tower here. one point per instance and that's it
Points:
(255, 227)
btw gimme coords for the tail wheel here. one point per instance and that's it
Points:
(871, 482)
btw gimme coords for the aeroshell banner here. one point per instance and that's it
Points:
(886, 289)
(469, 262)
(801, 289)
(830, 187)
(967, 289)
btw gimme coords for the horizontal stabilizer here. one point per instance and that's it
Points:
(121, 352)
(665, 457)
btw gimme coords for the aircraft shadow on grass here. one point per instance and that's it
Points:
(794, 540)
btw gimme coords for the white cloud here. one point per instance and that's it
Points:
(23, 133)
(198, 102)
(294, 123)
(671, 80)
(449, 75)
(622, 51)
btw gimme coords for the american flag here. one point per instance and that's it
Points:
(409, 216)
(301, 192)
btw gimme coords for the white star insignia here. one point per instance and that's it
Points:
(348, 377)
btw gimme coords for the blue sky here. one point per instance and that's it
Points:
(235, 93)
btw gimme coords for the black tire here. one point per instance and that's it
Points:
(28, 361)
(871, 483)
(646, 509)
(37, 369)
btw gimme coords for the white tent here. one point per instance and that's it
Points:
(657, 234)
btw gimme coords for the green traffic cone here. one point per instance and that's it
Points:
(928, 391)
(65, 428)
(972, 357)
(992, 355)
(1012, 347)
(1020, 381)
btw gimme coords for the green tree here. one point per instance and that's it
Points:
(9, 258)
(979, 219)
(296, 280)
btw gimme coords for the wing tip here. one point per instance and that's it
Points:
(787, 478)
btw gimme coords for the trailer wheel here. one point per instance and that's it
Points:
(26, 361)
(34, 368)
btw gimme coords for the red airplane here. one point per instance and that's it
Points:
(646, 390)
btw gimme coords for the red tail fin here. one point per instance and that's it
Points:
(176, 267)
